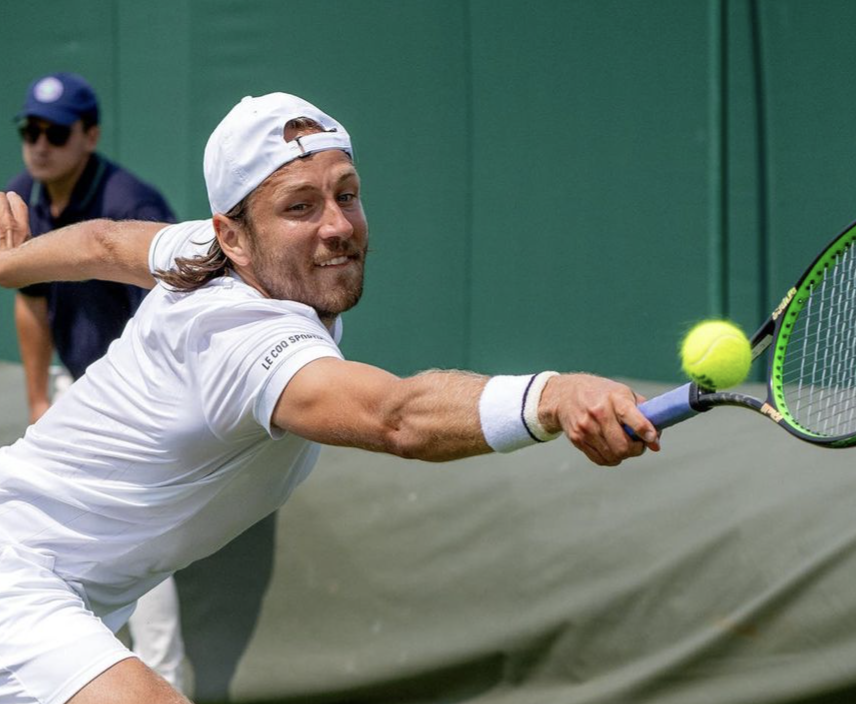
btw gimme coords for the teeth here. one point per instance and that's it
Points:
(333, 262)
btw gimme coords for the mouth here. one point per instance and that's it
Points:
(340, 260)
(337, 261)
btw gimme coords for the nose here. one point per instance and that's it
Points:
(335, 224)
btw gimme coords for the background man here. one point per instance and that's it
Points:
(67, 181)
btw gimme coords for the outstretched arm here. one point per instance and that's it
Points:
(95, 249)
(438, 415)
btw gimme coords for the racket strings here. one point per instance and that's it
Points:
(819, 369)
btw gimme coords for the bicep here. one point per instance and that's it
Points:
(337, 402)
(432, 416)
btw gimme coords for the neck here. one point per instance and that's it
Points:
(246, 275)
(61, 189)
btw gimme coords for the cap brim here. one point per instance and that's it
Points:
(51, 113)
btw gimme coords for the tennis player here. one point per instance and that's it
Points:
(212, 406)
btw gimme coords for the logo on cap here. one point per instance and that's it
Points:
(48, 90)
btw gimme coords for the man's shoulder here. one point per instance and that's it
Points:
(228, 301)
(22, 184)
(224, 317)
(122, 188)
(119, 179)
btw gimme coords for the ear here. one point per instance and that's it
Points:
(93, 134)
(233, 239)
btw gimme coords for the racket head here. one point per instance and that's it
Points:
(811, 370)
(811, 379)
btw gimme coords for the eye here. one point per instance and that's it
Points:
(347, 197)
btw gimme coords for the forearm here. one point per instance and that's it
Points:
(36, 347)
(96, 249)
(443, 416)
(434, 416)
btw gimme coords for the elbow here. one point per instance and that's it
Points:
(102, 243)
(115, 249)
(94, 252)
(410, 445)
(398, 442)
(412, 451)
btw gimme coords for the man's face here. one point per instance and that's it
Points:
(52, 164)
(310, 236)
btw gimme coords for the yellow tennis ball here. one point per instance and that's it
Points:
(716, 354)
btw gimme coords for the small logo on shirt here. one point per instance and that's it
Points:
(280, 347)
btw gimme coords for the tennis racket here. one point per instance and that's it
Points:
(811, 369)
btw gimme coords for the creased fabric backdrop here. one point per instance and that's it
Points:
(719, 571)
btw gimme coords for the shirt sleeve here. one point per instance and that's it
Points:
(186, 239)
(244, 366)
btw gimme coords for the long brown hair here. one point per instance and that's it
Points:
(191, 273)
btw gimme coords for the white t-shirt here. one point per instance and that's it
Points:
(164, 450)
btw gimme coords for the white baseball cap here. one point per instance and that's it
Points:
(249, 145)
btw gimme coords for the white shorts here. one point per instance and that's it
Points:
(51, 645)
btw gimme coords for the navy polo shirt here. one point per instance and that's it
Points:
(86, 316)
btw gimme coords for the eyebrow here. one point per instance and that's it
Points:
(285, 189)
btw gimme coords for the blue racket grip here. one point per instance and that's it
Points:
(669, 408)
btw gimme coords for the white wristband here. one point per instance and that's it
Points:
(502, 410)
(530, 407)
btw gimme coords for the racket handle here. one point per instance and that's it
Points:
(669, 408)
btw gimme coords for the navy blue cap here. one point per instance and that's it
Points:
(62, 98)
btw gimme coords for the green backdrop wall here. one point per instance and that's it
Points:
(550, 183)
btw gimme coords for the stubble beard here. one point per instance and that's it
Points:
(285, 282)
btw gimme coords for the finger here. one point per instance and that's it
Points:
(14, 217)
(7, 222)
(5, 215)
(19, 208)
(21, 219)
(643, 428)
(610, 448)
(606, 434)
(603, 460)
(614, 443)
(596, 456)
(612, 428)
(590, 451)
(602, 438)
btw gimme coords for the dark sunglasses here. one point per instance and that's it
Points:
(57, 135)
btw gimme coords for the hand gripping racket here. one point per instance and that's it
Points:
(811, 371)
